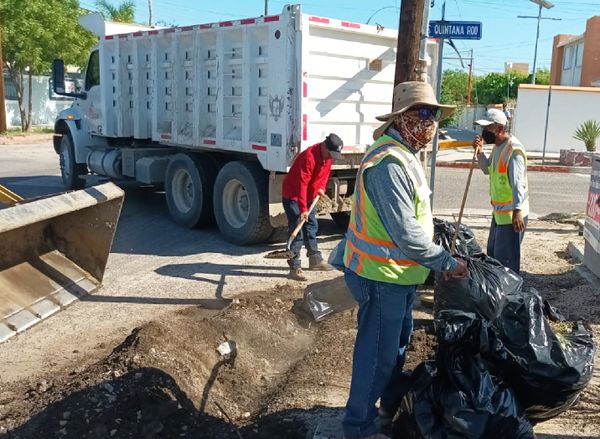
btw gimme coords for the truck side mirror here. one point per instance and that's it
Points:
(58, 80)
(58, 76)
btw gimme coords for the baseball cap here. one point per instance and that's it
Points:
(493, 115)
(334, 145)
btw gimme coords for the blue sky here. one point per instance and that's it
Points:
(506, 38)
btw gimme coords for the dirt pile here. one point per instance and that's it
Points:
(167, 379)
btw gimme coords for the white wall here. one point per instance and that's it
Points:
(569, 107)
(44, 108)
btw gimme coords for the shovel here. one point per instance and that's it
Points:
(462, 206)
(287, 253)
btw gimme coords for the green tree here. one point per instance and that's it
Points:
(455, 86)
(496, 88)
(125, 12)
(36, 32)
(542, 77)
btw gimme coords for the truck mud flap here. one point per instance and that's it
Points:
(53, 251)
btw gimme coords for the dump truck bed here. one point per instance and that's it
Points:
(267, 86)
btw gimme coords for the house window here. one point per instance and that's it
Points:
(568, 58)
(579, 57)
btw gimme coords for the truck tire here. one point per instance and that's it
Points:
(188, 188)
(70, 170)
(241, 201)
(341, 220)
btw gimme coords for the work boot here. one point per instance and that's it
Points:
(320, 265)
(298, 274)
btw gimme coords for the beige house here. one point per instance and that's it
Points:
(576, 58)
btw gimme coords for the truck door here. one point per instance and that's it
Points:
(90, 107)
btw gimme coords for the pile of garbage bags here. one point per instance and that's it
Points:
(505, 360)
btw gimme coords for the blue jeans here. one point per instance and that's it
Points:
(384, 328)
(504, 244)
(308, 234)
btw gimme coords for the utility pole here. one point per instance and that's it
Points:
(469, 87)
(438, 94)
(3, 126)
(150, 13)
(542, 4)
(266, 7)
(408, 66)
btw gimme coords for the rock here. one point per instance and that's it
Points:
(113, 432)
(63, 431)
(108, 387)
(138, 376)
(66, 415)
(62, 423)
(42, 386)
(246, 415)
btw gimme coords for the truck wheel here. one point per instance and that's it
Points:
(341, 219)
(70, 170)
(188, 188)
(241, 201)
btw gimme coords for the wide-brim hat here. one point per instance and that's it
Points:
(410, 94)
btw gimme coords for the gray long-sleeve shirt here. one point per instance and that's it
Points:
(392, 194)
(517, 171)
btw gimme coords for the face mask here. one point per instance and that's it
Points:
(488, 137)
(416, 131)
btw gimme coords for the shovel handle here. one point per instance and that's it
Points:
(301, 222)
(462, 206)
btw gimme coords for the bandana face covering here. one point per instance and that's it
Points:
(415, 130)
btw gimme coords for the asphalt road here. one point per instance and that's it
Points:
(32, 170)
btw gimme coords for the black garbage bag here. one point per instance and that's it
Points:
(458, 396)
(547, 361)
(466, 244)
(483, 292)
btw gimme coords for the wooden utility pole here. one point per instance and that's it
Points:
(3, 126)
(408, 67)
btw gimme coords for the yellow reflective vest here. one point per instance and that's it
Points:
(501, 192)
(369, 251)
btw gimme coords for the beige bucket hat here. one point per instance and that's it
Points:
(409, 94)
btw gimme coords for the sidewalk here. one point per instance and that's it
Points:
(461, 158)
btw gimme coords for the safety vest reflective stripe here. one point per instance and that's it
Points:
(504, 158)
(382, 259)
(370, 239)
(386, 251)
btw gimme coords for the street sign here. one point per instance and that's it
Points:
(457, 30)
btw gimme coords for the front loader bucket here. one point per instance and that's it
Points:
(53, 251)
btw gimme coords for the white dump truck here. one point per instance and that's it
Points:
(217, 112)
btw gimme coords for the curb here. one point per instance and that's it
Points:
(535, 168)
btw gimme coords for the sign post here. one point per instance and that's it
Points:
(442, 29)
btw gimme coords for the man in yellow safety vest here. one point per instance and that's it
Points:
(507, 168)
(389, 251)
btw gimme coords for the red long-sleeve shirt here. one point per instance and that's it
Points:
(308, 174)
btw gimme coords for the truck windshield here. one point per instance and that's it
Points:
(92, 74)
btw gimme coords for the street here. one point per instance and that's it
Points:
(32, 170)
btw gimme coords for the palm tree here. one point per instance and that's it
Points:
(124, 13)
(588, 132)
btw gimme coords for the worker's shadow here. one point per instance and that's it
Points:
(216, 274)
